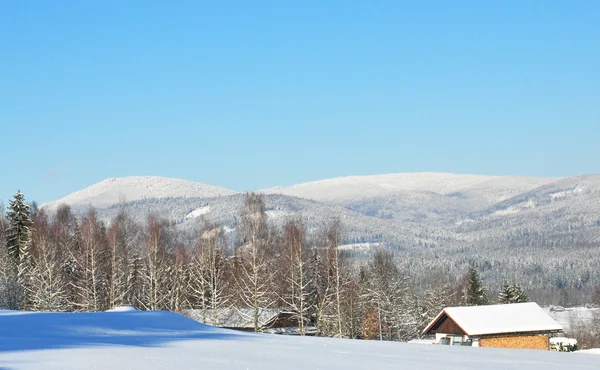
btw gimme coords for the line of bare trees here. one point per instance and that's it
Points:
(84, 264)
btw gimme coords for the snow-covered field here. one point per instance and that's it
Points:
(129, 339)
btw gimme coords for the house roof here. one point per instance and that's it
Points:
(499, 319)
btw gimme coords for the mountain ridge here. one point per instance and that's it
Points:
(117, 190)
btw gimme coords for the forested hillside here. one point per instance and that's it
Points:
(337, 269)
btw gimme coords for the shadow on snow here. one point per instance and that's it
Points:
(37, 331)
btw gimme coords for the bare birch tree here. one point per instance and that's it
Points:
(298, 278)
(156, 250)
(210, 283)
(253, 273)
(47, 284)
(92, 265)
(331, 317)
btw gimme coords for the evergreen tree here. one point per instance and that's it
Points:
(505, 294)
(474, 290)
(135, 281)
(518, 295)
(512, 294)
(315, 287)
(18, 240)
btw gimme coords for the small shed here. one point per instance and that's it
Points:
(272, 320)
(517, 325)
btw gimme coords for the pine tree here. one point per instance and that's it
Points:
(512, 294)
(315, 287)
(505, 294)
(18, 241)
(135, 281)
(518, 295)
(475, 291)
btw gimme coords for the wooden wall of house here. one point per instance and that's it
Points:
(516, 341)
(447, 326)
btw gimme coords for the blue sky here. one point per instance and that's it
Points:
(255, 94)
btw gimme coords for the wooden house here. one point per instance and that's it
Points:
(517, 325)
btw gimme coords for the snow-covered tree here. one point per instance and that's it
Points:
(10, 291)
(66, 242)
(385, 289)
(512, 294)
(92, 265)
(298, 280)
(519, 295)
(209, 284)
(135, 280)
(332, 320)
(178, 281)
(18, 241)
(157, 248)
(124, 241)
(474, 292)
(505, 294)
(433, 301)
(253, 270)
(316, 286)
(47, 286)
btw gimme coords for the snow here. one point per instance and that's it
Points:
(278, 214)
(502, 318)
(591, 351)
(152, 340)
(358, 246)
(127, 189)
(122, 309)
(198, 212)
(351, 189)
(577, 314)
(232, 317)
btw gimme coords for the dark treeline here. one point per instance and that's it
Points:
(58, 262)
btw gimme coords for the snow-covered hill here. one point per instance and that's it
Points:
(565, 206)
(414, 196)
(152, 340)
(344, 189)
(127, 189)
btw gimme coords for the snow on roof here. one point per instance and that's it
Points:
(498, 319)
(241, 318)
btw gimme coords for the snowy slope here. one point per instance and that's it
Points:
(127, 189)
(345, 189)
(415, 197)
(163, 340)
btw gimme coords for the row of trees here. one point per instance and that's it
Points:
(60, 262)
